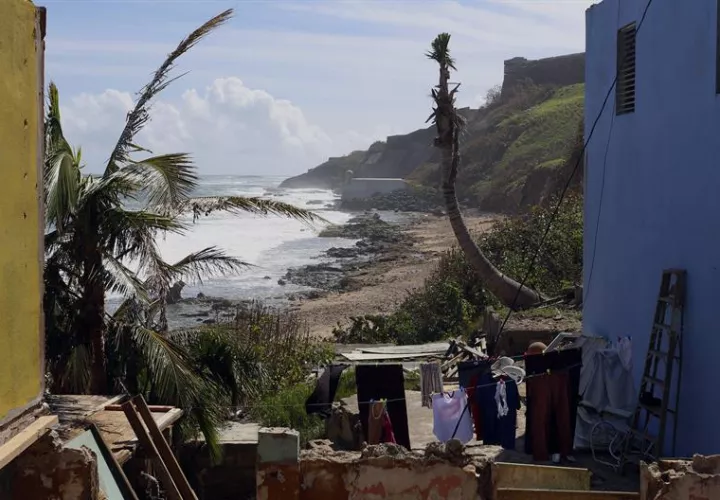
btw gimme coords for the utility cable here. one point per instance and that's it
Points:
(566, 187)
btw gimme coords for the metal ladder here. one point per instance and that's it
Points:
(660, 377)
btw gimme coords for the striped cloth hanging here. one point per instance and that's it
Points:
(431, 382)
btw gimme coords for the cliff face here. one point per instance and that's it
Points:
(515, 151)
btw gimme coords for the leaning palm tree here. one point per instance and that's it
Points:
(95, 244)
(449, 125)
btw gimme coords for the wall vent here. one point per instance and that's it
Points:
(625, 86)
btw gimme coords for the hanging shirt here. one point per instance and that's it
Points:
(452, 415)
(499, 401)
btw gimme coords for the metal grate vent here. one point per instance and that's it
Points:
(625, 88)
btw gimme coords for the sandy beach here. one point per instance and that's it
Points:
(380, 286)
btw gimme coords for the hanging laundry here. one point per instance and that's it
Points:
(320, 401)
(469, 373)
(386, 381)
(552, 402)
(499, 402)
(380, 428)
(431, 382)
(451, 417)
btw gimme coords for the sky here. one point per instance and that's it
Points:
(285, 84)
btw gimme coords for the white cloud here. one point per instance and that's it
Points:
(354, 73)
(228, 128)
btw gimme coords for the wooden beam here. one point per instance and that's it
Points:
(25, 438)
(530, 476)
(164, 449)
(165, 477)
(519, 494)
(153, 408)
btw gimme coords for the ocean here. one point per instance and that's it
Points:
(272, 244)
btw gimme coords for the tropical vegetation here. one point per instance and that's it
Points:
(101, 237)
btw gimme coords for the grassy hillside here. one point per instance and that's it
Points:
(515, 151)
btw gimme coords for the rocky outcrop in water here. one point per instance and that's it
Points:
(375, 237)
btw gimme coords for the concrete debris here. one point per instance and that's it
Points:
(698, 479)
(452, 451)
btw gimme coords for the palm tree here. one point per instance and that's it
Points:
(95, 244)
(449, 125)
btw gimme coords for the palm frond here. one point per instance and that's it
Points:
(203, 264)
(168, 180)
(440, 51)
(253, 205)
(169, 367)
(120, 279)
(139, 116)
(62, 168)
(133, 234)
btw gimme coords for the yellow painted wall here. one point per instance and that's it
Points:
(21, 334)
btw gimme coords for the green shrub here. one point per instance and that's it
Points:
(453, 297)
(512, 243)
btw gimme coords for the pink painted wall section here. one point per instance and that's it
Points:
(385, 478)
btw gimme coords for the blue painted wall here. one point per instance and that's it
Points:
(658, 170)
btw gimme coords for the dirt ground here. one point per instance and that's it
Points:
(383, 285)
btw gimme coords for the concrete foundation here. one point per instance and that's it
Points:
(278, 469)
(234, 476)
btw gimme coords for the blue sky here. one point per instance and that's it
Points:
(285, 84)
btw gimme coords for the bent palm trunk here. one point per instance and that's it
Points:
(448, 124)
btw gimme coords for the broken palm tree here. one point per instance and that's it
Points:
(449, 124)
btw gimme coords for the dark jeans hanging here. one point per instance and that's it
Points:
(383, 381)
(470, 374)
(320, 401)
(562, 418)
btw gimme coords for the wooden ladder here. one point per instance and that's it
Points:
(660, 378)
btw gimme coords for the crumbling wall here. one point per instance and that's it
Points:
(696, 479)
(386, 472)
(48, 471)
(561, 70)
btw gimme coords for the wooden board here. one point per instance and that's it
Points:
(434, 348)
(520, 494)
(525, 476)
(25, 438)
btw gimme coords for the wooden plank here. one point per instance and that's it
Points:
(169, 418)
(164, 450)
(520, 494)
(508, 475)
(153, 408)
(434, 348)
(25, 438)
(165, 477)
(361, 356)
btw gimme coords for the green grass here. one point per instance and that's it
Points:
(549, 129)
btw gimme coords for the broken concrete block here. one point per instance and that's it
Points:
(696, 479)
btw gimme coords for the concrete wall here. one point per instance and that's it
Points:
(656, 196)
(561, 70)
(46, 470)
(21, 220)
(347, 476)
(364, 188)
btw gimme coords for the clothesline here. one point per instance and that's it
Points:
(250, 407)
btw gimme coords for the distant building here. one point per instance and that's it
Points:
(360, 187)
(652, 187)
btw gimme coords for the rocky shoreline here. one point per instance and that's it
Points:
(378, 241)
